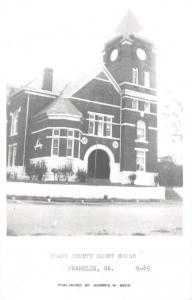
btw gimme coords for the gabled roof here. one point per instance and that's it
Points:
(60, 106)
(74, 86)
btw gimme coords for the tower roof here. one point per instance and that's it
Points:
(128, 26)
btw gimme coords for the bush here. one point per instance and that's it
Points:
(132, 178)
(37, 170)
(11, 175)
(40, 170)
(30, 170)
(156, 179)
(81, 175)
(66, 171)
(54, 171)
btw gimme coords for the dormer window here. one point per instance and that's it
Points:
(135, 75)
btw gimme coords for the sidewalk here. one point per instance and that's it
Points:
(74, 191)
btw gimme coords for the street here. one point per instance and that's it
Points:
(26, 217)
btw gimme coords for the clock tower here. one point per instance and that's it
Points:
(131, 60)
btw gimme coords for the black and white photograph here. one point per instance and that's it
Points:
(101, 153)
(93, 197)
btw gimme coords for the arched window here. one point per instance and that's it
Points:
(141, 131)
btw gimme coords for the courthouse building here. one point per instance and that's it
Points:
(104, 123)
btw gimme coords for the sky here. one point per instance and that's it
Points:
(69, 36)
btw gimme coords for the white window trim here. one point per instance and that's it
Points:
(93, 121)
(147, 79)
(13, 130)
(135, 76)
(130, 83)
(100, 123)
(144, 127)
(139, 141)
(110, 123)
(55, 135)
(10, 155)
(55, 138)
(144, 156)
(70, 137)
(137, 104)
(148, 110)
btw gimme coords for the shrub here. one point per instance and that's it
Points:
(12, 175)
(40, 170)
(30, 170)
(37, 170)
(66, 171)
(132, 178)
(8, 175)
(54, 171)
(156, 179)
(81, 175)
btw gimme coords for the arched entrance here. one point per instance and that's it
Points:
(98, 164)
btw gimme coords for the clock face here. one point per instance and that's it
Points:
(141, 54)
(114, 55)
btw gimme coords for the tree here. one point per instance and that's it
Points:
(170, 174)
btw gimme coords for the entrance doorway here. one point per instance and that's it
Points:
(98, 164)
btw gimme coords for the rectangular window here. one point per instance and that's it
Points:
(12, 153)
(55, 146)
(70, 143)
(91, 129)
(146, 79)
(100, 125)
(103, 122)
(140, 134)
(135, 104)
(135, 75)
(14, 122)
(147, 107)
(140, 160)
(56, 132)
(108, 131)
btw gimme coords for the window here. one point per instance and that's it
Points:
(146, 79)
(104, 125)
(55, 146)
(70, 143)
(108, 128)
(141, 131)
(14, 122)
(140, 160)
(100, 126)
(56, 132)
(135, 75)
(12, 152)
(91, 129)
(135, 104)
(147, 107)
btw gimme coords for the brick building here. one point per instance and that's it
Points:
(105, 123)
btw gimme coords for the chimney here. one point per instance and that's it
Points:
(47, 79)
